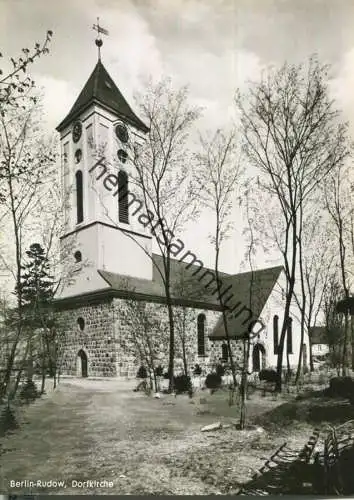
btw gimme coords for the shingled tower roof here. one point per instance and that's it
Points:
(101, 89)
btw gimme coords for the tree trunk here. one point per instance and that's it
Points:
(49, 355)
(243, 386)
(43, 382)
(345, 345)
(226, 326)
(352, 332)
(17, 383)
(300, 360)
(184, 357)
(278, 384)
(172, 342)
(11, 360)
(310, 354)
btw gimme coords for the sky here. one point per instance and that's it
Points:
(213, 46)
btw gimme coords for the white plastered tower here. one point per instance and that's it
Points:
(100, 232)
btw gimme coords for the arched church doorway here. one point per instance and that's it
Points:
(258, 358)
(83, 363)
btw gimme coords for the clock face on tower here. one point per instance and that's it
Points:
(77, 131)
(122, 132)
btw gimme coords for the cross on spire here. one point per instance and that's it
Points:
(98, 40)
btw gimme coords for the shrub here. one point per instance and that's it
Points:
(142, 372)
(166, 376)
(220, 370)
(8, 421)
(29, 391)
(182, 383)
(268, 375)
(159, 371)
(342, 387)
(213, 380)
(197, 370)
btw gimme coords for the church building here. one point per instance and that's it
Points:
(112, 266)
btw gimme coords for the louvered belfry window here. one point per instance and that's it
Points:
(79, 197)
(123, 208)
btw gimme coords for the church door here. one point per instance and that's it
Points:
(258, 358)
(83, 357)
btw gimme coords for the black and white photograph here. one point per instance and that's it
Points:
(176, 247)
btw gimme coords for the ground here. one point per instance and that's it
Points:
(94, 429)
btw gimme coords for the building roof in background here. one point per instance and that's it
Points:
(101, 89)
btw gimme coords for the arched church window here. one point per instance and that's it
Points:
(77, 131)
(276, 333)
(79, 197)
(289, 336)
(201, 334)
(81, 323)
(122, 133)
(78, 256)
(78, 155)
(224, 352)
(123, 208)
(122, 155)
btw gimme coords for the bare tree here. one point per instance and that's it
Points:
(219, 175)
(16, 161)
(292, 137)
(163, 178)
(24, 161)
(250, 253)
(184, 287)
(15, 84)
(338, 204)
(316, 259)
(147, 337)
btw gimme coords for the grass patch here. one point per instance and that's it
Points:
(311, 408)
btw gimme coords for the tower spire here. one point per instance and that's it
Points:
(98, 40)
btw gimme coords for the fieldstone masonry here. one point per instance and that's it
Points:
(107, 332)
(96, 339)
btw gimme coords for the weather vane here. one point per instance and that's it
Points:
(98, 40)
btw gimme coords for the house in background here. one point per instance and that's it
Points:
(319, 344)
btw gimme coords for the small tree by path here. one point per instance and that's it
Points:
(37, 292)
(218, 175)
(184, 286)
(147, 335)
(24, 160)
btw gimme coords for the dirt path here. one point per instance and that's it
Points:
(101, 430)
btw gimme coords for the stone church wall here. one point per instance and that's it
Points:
(128, 332)
(112, 338)
(95, 340)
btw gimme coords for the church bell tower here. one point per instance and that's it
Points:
(100, 229)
